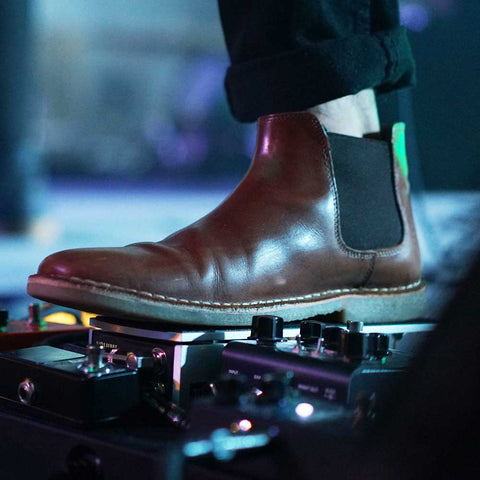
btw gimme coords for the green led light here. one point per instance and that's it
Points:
(399, 147)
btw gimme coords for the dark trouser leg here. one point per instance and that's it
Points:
(293, 55)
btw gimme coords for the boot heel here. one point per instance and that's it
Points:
(385, 308)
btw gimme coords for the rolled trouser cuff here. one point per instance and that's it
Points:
(317, 73)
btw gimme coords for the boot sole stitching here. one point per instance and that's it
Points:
(156, 296)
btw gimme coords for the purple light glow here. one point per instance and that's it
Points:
(443, 6)
(414, 16)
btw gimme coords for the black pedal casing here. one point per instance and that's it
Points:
(314, 374)
(61, 390)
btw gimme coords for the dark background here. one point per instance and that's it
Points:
(446, 101)
(128, 90)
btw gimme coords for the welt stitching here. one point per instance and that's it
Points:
(259, 303)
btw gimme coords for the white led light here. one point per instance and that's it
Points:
(244, 425)
(304, 410)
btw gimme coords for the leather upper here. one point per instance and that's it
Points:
(277, 236)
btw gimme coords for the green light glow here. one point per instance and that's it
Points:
(399, 148)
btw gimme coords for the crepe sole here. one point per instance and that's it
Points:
(369, 305)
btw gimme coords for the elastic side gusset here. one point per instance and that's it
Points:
(369, 214)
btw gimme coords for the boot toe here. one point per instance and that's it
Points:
(136, 268)
(75, 263)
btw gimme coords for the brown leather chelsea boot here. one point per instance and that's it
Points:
(320, 223)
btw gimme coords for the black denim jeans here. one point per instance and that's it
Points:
(289, 55)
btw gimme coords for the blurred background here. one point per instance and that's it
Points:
(114, 128)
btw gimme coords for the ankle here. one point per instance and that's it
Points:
(353, 115)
